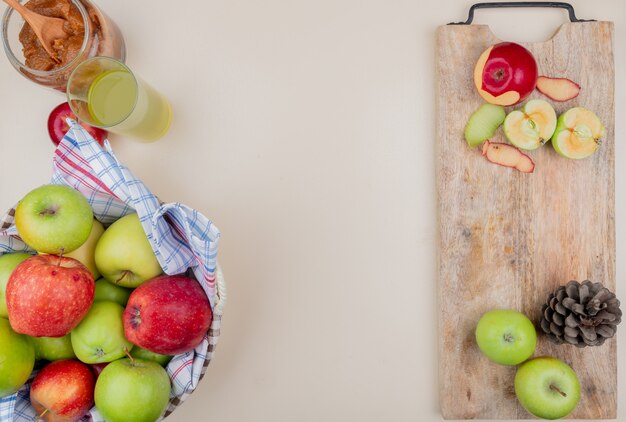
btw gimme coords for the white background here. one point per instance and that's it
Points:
(305, 130)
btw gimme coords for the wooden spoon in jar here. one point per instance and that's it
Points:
(46, 28)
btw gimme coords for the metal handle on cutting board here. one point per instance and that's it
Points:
(562, 5)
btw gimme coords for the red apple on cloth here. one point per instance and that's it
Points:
(63, 391)
(505, 74)
(169, 315)
(48, 295)
(58, 127)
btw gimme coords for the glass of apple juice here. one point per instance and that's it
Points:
(105, 93)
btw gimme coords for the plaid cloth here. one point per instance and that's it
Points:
(182, 238)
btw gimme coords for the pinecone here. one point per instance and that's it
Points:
(582, 314)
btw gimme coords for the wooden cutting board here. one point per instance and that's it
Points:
(508, 239)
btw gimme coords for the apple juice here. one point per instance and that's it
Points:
(116, 100)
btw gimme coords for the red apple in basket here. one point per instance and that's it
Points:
(63, 391)
(169, 314)
(505, 74)
(48, 295)
(58, 127)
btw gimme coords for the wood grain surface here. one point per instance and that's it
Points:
(507, 239)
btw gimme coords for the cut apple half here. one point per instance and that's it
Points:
(508, 156)
(558, 89)
(531, 126)
(483, 123)
(578, 133)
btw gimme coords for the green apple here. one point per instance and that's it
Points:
(87, 251)
(141, 353)
(8, 262)
(547, 387)
(506, 336)
(100, 335)
(578, 133)
(124, 255)
(17, 359)
(54, 219)
(53, 348)
(531, 126)
(483, 123)
(132, 390)
(109, 291)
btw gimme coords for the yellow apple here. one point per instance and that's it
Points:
(87, 251)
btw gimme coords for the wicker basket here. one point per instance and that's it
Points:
(182, 238)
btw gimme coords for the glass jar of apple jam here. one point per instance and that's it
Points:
(90, 33)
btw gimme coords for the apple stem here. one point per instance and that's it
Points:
(41, 415)
(132, 360)
(124, 274)
(557, 389)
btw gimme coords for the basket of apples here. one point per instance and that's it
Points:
(110, 300)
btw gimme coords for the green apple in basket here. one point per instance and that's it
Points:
(17, 359)
(112, 292)
(53, 348)
(100, 335)
(132, 390)
(145, 354)
(87, 251)
(54, 219)
(124, 255)
(8, 262)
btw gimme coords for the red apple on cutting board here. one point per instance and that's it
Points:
(505, 74)
(48, 295)
(63, 391)
(169, 314)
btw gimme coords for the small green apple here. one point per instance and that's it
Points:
(132, 390)
(53, 348)
(86, 252)
(100, 335)
(547, 387)
(578, 133)
(109, 291)
(141, 353)
(54, 219)
(8, 262)
(17, 359)
(124, 255)
(531, 126)
(506, 336)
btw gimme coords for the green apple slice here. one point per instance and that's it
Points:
(531, 126)
(483, 123)
(578, 133)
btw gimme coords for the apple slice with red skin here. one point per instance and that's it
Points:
(58, 127)
(508, 156)
(558, 89)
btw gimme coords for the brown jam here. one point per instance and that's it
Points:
(66, 49)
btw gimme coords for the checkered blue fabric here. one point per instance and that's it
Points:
(182, 238)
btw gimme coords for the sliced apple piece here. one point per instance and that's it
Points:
(508, 156)
(578, 133)
(557, 89)
(483, 123)
(531, 126)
